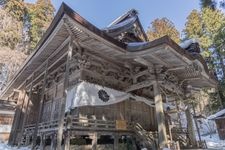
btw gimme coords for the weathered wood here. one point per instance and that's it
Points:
(26, 110)
(190, 127)
(196, 123)
(62, 109)
(178, 114)
(162, 136)
(116, 142)
(67, 135)
(40, 107)
(94, 141)
(139, 85)
(16, 120)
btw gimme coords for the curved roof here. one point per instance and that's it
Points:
(162, 51)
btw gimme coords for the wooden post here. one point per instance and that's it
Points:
(26, 110)
(190, 127)
(94, 141)
(62, 110)
(116, 142)
(196, 123)
(178, 114)
(68, 127)
(16, 120)
(40, 106)
(162, 137)
(42, 144)
(53, 142)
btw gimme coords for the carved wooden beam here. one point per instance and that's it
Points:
(139, 85)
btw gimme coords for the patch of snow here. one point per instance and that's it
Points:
(214, 142)
(206, 126)
(218, 114)
(4, 146)
(187, 43)
(122, 24)
(166, 148)
(5, 128)
(136, 44)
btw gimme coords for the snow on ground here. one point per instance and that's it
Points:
(4, 146)
(214, 142)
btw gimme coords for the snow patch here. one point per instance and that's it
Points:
(214, 142)
(136, 44)
(218, 114)
(4, 146)
(122, 24)
(187, 43)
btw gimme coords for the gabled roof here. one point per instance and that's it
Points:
(124, 23)
(97, 42)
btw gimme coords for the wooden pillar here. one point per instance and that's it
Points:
(67, 136)
(40, 106)
(94, 141)
(26, 110)
(178, 115)
(162, 137)
(196, 123)
(53, 142)
(63, 104)
(116, 142)
(16, 120)
(42, 144)
(190, 127)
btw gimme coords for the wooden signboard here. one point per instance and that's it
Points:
(121, 125)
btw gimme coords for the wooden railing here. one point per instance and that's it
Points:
(149, 138)
(76, 123)
(179, 130)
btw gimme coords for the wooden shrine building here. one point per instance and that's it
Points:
(219, 119)
(103, 89)
(7, 110)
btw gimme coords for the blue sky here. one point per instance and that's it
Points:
(102, 12)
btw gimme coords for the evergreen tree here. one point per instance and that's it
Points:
(15, 8)
(41, 14)
(206, 26)
(10, 30)
(162, 27)
(208, 3)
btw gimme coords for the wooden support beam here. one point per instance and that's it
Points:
(53, 142)
(196, 123)
(67, 135)
(42, 144)
(50, 57)
(144, 62)
(26, 111)
(190, 127)
(94, 141)
(116, 142)
(176, 68)
(139, 85)
(16, 120)
(162, 136)
(62, 109)
(40, 107)
(178, 114)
